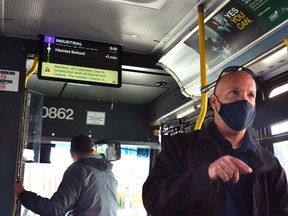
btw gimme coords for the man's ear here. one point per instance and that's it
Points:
(212, 101)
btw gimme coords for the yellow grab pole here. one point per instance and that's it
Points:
(286, 42)
(32, 70)
(202, 53)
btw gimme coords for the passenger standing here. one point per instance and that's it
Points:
(220, 170)
(88, 187)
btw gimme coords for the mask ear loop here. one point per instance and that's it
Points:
(217, 98)
(218, 101)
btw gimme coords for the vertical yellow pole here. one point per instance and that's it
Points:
(202, 52)
(286, 41)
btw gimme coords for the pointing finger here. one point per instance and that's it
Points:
(242, 167)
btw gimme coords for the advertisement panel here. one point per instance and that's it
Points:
(238, 24)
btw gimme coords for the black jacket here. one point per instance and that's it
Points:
(179, 185)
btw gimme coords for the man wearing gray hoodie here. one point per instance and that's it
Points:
(88, 187)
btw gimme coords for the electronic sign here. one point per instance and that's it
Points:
(79, 61)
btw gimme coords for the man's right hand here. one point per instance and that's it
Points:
(228, 169)
(19, 187)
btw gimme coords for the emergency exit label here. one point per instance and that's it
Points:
(9, 80)
(95, 118)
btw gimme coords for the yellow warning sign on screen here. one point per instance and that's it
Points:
(85, 74)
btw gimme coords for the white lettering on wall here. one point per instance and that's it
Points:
(58, 113)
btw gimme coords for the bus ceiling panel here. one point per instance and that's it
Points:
(138, 26)
(141, 93)
(148, 79)
(272, 65)
(128, 94)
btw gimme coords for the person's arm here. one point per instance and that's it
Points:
(61, 201)
(168, 190)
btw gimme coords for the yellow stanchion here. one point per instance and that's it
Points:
(286, 41)
(32, 70)
(202, 52)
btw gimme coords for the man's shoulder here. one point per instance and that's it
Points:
(81, 170)
(74, 167)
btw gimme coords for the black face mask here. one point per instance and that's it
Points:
(237, 115)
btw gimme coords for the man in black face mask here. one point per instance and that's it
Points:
(219, 170)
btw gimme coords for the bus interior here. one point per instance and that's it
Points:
(167, 48)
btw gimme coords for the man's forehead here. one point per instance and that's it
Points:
(237, 79)
(236, 75)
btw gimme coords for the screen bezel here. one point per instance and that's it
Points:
(95, 83)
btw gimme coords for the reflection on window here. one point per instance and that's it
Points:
(281, 152)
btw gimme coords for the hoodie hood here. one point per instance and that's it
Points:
(100, 164)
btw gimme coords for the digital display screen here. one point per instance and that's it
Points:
(79, 61)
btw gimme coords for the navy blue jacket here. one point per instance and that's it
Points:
(179, 185)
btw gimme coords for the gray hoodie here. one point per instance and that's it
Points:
(88, 188)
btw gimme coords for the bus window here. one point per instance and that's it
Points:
(131, 172)
(279, 90)
(279, 128)
(280, 148)
(281, 152)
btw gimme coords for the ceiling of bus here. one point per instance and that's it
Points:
(148, 27)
